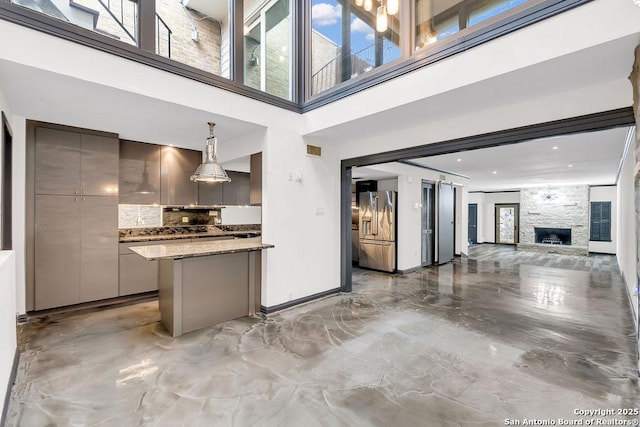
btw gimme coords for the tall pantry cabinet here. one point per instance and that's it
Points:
(76, 217)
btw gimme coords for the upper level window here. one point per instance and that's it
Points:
(350, 38)
(116, 19)
(195, 33)
(439, 19)
(267, 47)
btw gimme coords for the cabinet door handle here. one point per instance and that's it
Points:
(75, 192)
(75, 199)
(84, 199)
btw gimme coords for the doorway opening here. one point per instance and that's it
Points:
(461, 158)
(507, 223)
(428, 222)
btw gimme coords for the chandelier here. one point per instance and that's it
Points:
(386, 8)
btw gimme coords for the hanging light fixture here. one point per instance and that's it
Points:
(637, 2)
(359, 3)
(145, 186)
(210, 170)
(394, 5)
(368, 5)
(381, 19)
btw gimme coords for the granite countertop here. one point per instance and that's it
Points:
(198, 249)
(128, 239)
(176, 233)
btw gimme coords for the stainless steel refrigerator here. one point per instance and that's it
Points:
(378, 230)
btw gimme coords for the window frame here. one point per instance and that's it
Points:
(301, 14)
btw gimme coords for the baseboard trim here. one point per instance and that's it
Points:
(636, 322)
(279, 307)
(12, 380)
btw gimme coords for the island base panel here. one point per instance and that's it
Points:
(202, 291)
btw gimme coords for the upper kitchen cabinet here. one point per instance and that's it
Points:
(255, 195)
(57, 160)
(235, 192)
(139, 173)
(75, 163)
(176, 166)
(210, 193)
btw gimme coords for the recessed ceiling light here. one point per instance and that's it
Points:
(494, 172)
(570, 166)
(458, 160)
(555, 147)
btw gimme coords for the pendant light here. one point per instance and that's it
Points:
(359, 3)
(145, 186)
(393, 6)
(368, 5)
(381, 19)
(210, 170)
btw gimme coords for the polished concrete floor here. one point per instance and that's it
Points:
(500, 336)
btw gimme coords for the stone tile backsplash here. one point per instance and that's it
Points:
(139, 216)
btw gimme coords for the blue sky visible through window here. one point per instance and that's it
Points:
(326, 17)
(491, 10)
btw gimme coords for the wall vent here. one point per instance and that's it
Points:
(314, 150)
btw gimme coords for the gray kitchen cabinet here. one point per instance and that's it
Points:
(137, 275)
(57, 161)
(98, 248)
(139, 173)
(57, 251)
(75, 163)
(98, 165)
(210, 193)
(76, 250)
(243, 188)
(176, 166)
(255, 191)
(232, 193)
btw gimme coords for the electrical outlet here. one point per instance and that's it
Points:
(319, 210)
(185, 220)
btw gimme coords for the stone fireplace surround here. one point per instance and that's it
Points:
(564, 207)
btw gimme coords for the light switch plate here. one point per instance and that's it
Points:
(185, 219)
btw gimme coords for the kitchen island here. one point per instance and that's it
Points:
(204, 283)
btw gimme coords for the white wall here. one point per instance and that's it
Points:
(487, 212)
(606, 194)
(626, 228)
(300, 218)
(388, 184)
(8, 342)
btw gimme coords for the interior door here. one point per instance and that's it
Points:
(428, 221)
(507, 224)
(473, 223)
(446, 236)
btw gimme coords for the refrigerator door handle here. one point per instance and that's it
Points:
(374, 229)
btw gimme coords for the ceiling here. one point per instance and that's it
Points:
(590, 158)
(136, 117)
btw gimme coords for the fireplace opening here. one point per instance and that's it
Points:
(553, 236)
